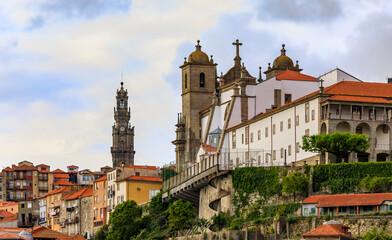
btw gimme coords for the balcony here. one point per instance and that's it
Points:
(43, 188)
(357, 116)
(43, 178)
(10, 187)
(41, 220)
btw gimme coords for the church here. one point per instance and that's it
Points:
(237, 120)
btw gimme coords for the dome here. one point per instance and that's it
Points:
(283, 62)
(198, 56)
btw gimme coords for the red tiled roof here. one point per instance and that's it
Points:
(43, 232)
(359, 99)
(5, 214)
(209, 148)
(12, 229)
(142, 167)
(24, 168)
(9, 219)
(42, 165)
(292, 75)
(58, 171)
(57, 190)
(327, 230)
(74, 237)
(63, 182)
(82, 193)
(74, 166)
(61, 175)
(11, 236)
(144, 178)
(367, 199)
(361, 89)
(8, 169)
(101, 179)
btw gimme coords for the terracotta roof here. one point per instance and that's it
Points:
(57, 190)
(209, 148)
(367, 199)
(24, 168)
(144, 178)
(74, 166)
(361, 89)
(82, 193)
(11, 236)
(10, 204)
(8, 169)
(60, 175)
(12, 229)
(42, 165)
(63, 182)
(9, 219)
(328, 230)
(292, 75)
(359, 99)
(74, 237)
(142, 167)
(43, 232)
(5, 214)
(101, 179)
(58, 171)
(44, 171)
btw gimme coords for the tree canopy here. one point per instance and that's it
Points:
(181, 215)
(339, 144)
(295, 183)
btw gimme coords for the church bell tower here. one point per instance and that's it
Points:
(123, 134)
(198, 85)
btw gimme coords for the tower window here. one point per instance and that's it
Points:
(122, 103)
(186, 81)
(202, 79)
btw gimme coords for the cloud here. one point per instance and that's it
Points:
(85, 8)
(35, 22)
(300, 10)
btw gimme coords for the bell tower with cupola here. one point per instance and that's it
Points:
(198, 85)
(281, 63)
(123, 134)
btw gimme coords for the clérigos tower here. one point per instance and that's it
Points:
(123, 133)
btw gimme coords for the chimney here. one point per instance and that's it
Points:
(389, 79)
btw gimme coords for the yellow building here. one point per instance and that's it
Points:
(138, 188)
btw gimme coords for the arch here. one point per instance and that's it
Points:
(382, 157)
(202, 80)
(122, 103)
(343, 127)
(382, 139)
(363, 128)
(323, 128)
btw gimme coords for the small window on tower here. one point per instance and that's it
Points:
(186, 81)
(202, 79)
(121, 103)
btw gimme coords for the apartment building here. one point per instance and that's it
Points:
(99, 203)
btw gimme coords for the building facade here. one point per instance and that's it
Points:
(99, 203)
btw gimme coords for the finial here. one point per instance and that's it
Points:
(269, 66)
(321, 85)
(283, 51)
(237, 59)
(297, 65)
(211, 60)
(198, 47)
(185, 60)
(122, 85)
(260, 78)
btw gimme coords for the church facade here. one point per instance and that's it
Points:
(247, 121)
(123, 133)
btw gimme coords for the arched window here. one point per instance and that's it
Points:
(202, 79)
(186, 81)
(122, 103)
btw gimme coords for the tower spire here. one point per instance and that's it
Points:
(237, 59)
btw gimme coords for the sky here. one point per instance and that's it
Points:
(61, 64)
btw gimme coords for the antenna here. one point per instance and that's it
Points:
(122, 76)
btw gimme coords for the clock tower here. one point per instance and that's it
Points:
(123, 134)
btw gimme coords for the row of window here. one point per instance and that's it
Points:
(246, 137)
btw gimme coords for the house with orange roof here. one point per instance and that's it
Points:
(347, 204)
(99, 203)
(330, 230)
(76, 213)
(52, 201)
(8, 219)
(11, 207)
(117, 185)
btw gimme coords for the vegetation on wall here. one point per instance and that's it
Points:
(338, 144)
(347, 177)
(296, 183)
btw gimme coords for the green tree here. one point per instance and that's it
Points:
(125, 221)
(181, 216)
(338, 144)
(295, 183)
(221, 221)
(202, 224)
(375, 234)
(156, 222)
(168, 173)
(376, 184)
(101, 233)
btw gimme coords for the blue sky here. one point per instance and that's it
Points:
(61, 63)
